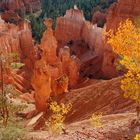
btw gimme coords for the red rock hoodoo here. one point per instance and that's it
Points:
(88, 39)
(18, 39)
(53, 74)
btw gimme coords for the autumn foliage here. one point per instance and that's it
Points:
(126, 43)
(56, 120)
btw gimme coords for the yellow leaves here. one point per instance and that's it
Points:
(126, 43)
(96, 121)
(131, 86)
(137, 137)
(125, 40)
(59, 112)
(130, 63)
(56, 108)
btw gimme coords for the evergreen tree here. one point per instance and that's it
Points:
(56, 8)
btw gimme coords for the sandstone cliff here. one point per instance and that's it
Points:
(121, 11)
(53, 74)
(69, 26)
(73, 30)
(28, 6)
(18, 39)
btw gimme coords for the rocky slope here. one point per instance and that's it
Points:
(102, 97)
(98, 97)
(115, 127)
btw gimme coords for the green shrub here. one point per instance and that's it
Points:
(15, 65)
(12, 132)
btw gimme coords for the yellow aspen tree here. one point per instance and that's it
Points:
(126, 43)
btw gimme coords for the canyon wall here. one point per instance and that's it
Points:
(122, 10)
(9, 40)
(18, 39)
(69, 27)
(72, 29)
(28, 6)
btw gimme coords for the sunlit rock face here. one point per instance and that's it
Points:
(41, 82)
(21, 5)
(9, 40)
(70, 66)
(18, 39)
(108, 68)
(94, 37)
(69, 27)
(53, 74)
(74, 27)
(49, 44)
(26, 45)
(86, 41)
(121, 11)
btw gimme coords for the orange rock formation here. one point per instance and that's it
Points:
(70, 66)
(49, 44)
(41, 82)
(69, 26)
(21, 5)
(18, 39)
(99, 18)
(122, 10)
(52, 74)
(73, 28)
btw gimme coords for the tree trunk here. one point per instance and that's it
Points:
(3, 109)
